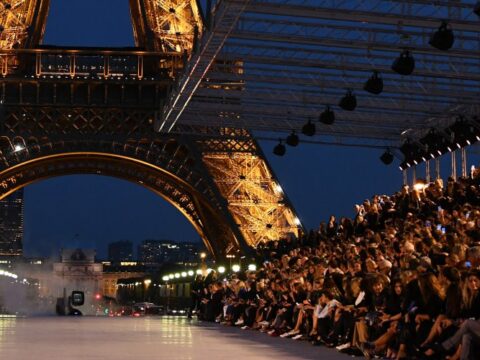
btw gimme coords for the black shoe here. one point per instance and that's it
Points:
(437, 349)
(352, 351)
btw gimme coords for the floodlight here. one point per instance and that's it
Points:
(404, 64)
(327, 116)
(308, 129)
(374, 84)
(387, 157)
(348, 102)
(293, 139)
(279, 149)
(443, 38)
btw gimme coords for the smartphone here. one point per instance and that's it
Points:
(439, 208)
(468, 264)
(439, 227)
(443, 230)
(467, 215)
(428, 223)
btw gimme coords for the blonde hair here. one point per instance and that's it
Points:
(429, 283)
(467, 295)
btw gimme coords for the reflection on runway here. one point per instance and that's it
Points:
(142, 338)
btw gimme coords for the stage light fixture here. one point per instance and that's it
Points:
(348, 102)
(433, 142)
(374, 84)
(327, 117)
(293, 139)
(309, 128)
(279, 149)
(387, 157)
(443, 38)
(476, 8)
(462, 133)
(404, 64)
(412, 152)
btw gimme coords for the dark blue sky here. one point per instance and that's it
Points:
(319, 180)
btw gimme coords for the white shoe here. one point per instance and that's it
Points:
(264, 323)
(290, 333)
(245, 327)
(239, 322)
(271, 332)
(343, 346)
(297, 337)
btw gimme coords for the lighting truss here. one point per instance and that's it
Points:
(285, 60)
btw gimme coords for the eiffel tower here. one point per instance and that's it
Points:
(92, 111)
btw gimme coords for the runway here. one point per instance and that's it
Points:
(172, 338)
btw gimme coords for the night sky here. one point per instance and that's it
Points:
(91, 211)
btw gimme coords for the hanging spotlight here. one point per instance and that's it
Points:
(309, 128)
(280, 149)
(348, 102)
(411, 152)
(293, 139)
(387, 157)
(443, 38)
(374, 84)
(476, 9)
(462, 133)
(327, 116)
(404, 64)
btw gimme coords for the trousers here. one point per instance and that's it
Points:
(467, 335)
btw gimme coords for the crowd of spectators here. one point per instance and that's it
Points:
(401, 280)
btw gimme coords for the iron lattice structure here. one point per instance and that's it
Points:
(294, 57)
(69, 111)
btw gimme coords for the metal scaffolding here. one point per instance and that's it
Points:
(282, 61)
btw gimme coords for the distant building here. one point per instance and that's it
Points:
(78, 271)
(165, 251)
(113, 273)
(11, 225)
(120, 251)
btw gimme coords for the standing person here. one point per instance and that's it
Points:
(196, 288)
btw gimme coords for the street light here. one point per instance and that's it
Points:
(252, 267)
(236, 268)
(221, 269)
(190, 272)
(147, 282)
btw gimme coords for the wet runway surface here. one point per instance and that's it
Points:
(143, 338)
